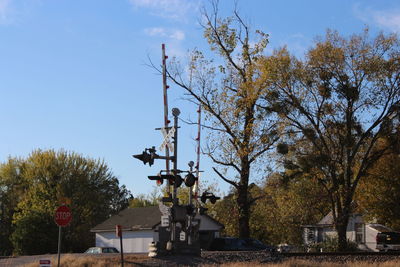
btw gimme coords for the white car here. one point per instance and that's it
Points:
(99, 250)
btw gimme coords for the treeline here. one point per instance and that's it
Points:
(32, 188)
(286, 202)
(332, 115)
(321, 130)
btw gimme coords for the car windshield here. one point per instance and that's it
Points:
(110, 250)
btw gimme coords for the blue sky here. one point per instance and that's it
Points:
(73, 74)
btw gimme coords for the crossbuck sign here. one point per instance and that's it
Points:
(167, 137)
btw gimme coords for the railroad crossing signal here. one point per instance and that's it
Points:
(168, 134)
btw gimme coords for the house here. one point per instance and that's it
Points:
(140, 227)
(358, 231)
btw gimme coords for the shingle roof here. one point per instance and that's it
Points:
(137, 219)
(131, 218)
(380, 227)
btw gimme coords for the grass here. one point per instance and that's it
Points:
(91, 261)
(111, 261)
(306, 263)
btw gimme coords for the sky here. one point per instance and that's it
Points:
(74, 74)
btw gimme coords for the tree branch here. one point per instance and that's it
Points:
(225, 179)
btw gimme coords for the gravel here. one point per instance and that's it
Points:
(211, 258)
(221, 257)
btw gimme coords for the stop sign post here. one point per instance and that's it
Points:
(62, 217)
(118, 233)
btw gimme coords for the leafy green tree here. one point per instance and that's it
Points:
(225, 211)
(12, 187)
(335, 104)
(278, 212)
(378, 195)
(86, 185)
(290, 202)
(36, 234)
(143, 200)
(230, 92)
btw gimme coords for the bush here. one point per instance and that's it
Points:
(331, 244)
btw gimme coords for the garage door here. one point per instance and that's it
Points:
(133, 241)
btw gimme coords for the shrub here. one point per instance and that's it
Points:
(331, 244)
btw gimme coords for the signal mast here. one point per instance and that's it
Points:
(179, 229)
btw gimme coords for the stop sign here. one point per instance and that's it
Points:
(63, 216)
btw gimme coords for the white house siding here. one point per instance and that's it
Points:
(329, 232)
(207, 224)
(370, 237)
(350, 231)
(133, 241)
(369, 232)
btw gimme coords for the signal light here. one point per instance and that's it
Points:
(178, 180)
(159, 180)
(203, 198)
(213, 199)
(190, 180)
(146, 157)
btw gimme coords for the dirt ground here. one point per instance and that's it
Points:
(67, 260)
(236, 259)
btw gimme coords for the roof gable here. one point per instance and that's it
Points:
(328, 219)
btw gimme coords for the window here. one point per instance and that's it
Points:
(310, 235)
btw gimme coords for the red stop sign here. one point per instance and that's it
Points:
(63, 216)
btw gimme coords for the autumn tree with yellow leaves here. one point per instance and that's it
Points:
(335, 104)
(230, 91)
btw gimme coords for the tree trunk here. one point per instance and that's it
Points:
(242, 200)
(341, 228)
(244, 212)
